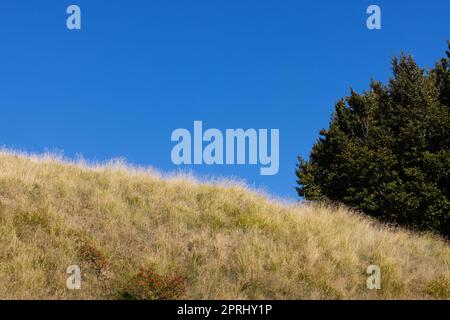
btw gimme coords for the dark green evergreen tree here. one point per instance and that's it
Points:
(387, 150)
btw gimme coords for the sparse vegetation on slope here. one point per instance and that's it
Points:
(177, 238)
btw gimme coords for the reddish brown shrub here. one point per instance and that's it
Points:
(149, 285)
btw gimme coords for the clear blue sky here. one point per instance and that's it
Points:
(140, 69)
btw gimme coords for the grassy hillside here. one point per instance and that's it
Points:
(136, 235)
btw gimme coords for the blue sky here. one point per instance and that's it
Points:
(140, 69)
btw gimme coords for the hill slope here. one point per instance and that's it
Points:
(193, 240)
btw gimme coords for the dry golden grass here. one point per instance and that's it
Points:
(225, 241)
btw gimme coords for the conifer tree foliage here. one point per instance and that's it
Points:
(387, 150)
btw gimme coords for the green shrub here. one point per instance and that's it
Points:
(387, 151)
